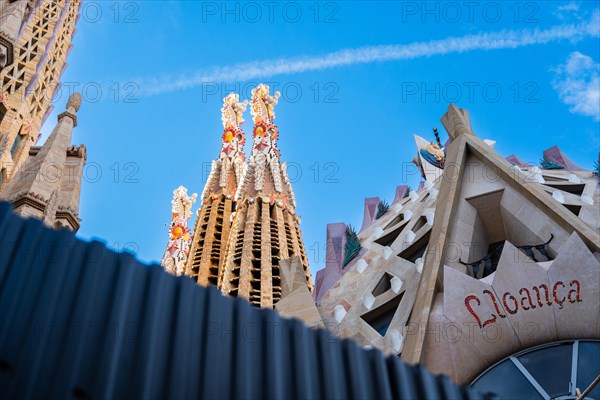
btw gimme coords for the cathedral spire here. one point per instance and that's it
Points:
(227, 170)
(265, 175)
(265, 227)
(48, 184)
(216, 213)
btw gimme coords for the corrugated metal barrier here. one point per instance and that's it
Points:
(79, 321)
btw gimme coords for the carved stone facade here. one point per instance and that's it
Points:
(40, 32)
(487, 258)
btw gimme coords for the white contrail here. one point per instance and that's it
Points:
(506, 39)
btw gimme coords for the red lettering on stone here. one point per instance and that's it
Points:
(528, 298)
(470, 309)
(556, 299)
(474, 314)
(539, 298)
(495, 303)
(515, 303)
(576, 292)
(511, 303)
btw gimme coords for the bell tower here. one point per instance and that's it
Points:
(265, 228)
(214, 218)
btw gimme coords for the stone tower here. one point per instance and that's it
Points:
(48, 184)
(213, 223)
(35, 39)
(265, 228)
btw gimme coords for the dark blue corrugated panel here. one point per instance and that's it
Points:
(79, 321)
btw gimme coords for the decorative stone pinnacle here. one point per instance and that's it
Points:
(74, 102)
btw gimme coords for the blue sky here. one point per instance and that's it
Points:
(358, 79)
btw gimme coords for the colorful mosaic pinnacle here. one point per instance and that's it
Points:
(233, 136)
(179, 234)
(265, 132)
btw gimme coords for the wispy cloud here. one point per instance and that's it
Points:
(506, 39)
(568, 10)
(577, 83)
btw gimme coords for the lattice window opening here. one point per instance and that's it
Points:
(399, 218)
(381, 317)
(574, 188)
(575, 209)
(383, 285)
(389, 238)
(421, 222)
(412, 252)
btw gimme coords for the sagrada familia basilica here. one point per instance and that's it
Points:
(488, 271)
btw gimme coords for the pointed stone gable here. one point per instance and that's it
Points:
(474, 169)
(450, 275)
